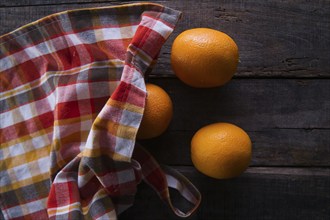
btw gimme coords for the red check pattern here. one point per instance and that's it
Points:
(72, 97)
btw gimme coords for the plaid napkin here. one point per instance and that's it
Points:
(72, 97)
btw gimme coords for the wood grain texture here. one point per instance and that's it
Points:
(279, 147)
(280, 96)
(287, 120)
(253, 104)
(275, 38)
(260, 193)
(20, 3)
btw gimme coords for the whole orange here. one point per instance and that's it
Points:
(204, 58)
(158, 113)
(221, 150)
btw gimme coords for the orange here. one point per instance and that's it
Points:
(221, 150)
(157, 114)
(204, 57)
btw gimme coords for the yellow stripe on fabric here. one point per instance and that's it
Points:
(60, 162)
(120, 157)
(64, 209)
(124, 131)
(114, 63)
(102, 193)
(70, 121)
(99, 152)
(99, 34)
(25, 182)
(26, 138)
(116, 129)
(143, 56)
(76, 137)
(85, 120)
(84, 208)
(36, 23)
(28, 157)
(126, 106)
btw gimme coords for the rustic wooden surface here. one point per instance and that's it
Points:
(280, 95)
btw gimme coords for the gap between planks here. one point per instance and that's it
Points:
(300, 171)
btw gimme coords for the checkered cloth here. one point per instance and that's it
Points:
(72, 98)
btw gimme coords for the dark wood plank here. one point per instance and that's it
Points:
(14, 17)
(275, 38)
(260, 193)
(20, 3)
(253, 104)
(274, 147)
(288, 120)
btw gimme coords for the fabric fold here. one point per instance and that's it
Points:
(72, 97)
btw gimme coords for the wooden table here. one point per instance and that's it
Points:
(280, 95)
